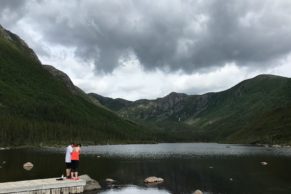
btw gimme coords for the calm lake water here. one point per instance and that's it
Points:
(185, 167)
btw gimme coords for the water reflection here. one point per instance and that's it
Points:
(166, 150)
(134, 190)
(212, 168)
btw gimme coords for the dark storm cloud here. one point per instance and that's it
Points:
(11, 11)
(11, 4)
(166, 34)
(244, 32)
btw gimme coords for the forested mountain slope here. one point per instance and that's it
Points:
(38, 105)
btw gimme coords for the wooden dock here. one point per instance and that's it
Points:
(43, 186)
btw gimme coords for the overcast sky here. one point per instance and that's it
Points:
(148, 48)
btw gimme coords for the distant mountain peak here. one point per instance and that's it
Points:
(267, 76)
(172, 94)
(173, 97)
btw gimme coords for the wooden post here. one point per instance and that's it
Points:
(56, 191)
(65, 190)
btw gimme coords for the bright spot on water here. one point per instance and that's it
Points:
(135, 190)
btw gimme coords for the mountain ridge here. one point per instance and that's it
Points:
(218, 116)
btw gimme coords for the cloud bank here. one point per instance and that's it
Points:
(185, 37)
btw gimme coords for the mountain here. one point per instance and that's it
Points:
(112, 104)
(257, 110)
(40, 105)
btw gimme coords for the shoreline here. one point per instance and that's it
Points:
(137, 143)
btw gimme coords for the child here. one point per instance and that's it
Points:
(75, 158)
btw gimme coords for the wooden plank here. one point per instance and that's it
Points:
(42, 186)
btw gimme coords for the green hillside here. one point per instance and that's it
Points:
(254, 111)
(249, 112)
(37, 107)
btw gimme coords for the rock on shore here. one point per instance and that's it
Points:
(264, 163)
(91, 184)
(198, 192)
(153, 179)
(28, 166)
(109, 180)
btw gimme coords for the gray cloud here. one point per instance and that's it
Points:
(11, 11)
(168, 34)
(11, 4)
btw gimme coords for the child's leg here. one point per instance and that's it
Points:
(68, 172)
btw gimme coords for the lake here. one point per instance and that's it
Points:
(185, 167)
